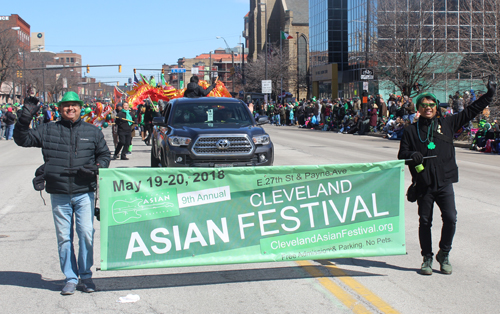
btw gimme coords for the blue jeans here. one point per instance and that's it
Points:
(411, 117)
(68, 209)
(9, 131)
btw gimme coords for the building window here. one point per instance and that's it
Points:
(72, 60)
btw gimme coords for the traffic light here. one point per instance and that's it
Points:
(88, 68)
(117, 83)
(232, 71)
(99, 84)
(19, 73)
(120, 68)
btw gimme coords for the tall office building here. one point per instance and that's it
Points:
(349, 36)
(328, 46)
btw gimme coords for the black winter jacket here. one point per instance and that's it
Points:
(194, 90)
(10, 118)
(66, 145)
(443, 169)
(123, 125)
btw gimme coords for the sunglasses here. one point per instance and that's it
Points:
(430, 105)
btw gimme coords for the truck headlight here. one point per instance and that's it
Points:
(179, 140)
(261, 139)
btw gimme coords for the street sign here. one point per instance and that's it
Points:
(195, 71)
(267, 86)
(178, 70)
(367, 74)
(365, 86)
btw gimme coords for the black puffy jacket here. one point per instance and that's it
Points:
(66, 145)
(194, 90)
(442, 169)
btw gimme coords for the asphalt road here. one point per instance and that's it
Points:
(30, 278)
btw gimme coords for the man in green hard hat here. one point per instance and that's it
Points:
(73, 151)
(432, 137)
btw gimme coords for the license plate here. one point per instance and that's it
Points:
(223, 165)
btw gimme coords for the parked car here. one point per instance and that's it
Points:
(209, 132)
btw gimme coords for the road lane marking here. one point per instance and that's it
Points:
(361, 290)
(354, 305)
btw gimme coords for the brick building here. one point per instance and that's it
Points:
(11, 90)
(291, 17)
(222, 61)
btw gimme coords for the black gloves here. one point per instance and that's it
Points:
(492, 85)
(417, 158)
(88, 172)
(30, 109)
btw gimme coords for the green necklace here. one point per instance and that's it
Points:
(430, 135)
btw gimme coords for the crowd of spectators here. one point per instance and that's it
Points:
(387, 117)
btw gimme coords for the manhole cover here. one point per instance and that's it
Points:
(3, 236)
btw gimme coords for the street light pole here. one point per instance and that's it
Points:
(219, 37)
(243, 64)
(23, 86)
(16, 28)
(43, 72)
(265, 36)
(232, 57)
(24, 75)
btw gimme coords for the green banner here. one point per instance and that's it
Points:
(170, 217)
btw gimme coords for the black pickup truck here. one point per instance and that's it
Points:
(209, 132)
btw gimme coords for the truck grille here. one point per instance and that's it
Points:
(216, 145)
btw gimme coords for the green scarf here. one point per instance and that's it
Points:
(127, 116)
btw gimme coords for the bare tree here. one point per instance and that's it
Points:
(58, 81)
(411, 50)
(279, 71)
(9, 56)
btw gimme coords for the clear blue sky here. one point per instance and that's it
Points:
(136, 34)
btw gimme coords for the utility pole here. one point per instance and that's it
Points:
(297, 65)
(210, 68)
(232, 57)
(367, 38)
(243, 64)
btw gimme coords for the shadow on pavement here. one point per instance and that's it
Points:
(32, 280)
(29, 280)
(368, 264)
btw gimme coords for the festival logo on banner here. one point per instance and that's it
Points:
(144, 206)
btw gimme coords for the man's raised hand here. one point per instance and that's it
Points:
(30, 109)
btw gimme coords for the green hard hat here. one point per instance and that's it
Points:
(70, 96)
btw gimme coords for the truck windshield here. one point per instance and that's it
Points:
(190, 114)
